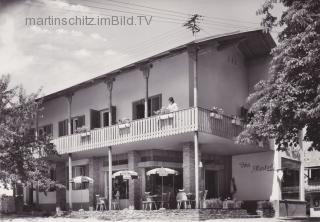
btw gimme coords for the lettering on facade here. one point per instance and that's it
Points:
(256, 167)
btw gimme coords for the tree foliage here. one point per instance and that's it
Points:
(289, 100)
(24, 159)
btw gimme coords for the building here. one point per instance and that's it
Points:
(312, 182)
(84, 121)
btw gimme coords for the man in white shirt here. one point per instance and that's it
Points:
(172, 107)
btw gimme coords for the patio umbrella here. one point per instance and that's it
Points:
(126, 175)
(80, 180)
(162, 172)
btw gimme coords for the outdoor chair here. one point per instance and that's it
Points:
(100, 203)
(147, 202)
(165, 202)
(115, 204)
(191, 200)
(182, 200)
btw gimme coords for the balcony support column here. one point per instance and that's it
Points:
(193, 70)
(196, 167)
(109, 81)
(301, 176)
(193, 55)
(70, 181)
(110, 176)
(69, 98)
(146, 73)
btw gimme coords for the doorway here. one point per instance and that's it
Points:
(211, 183)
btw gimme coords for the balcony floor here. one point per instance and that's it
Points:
(208, 144)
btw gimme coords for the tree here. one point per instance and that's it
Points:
(289, 100)
(24, 158)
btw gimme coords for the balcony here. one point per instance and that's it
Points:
(313, 186)
(179, 122)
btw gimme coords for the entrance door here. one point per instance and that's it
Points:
(211, 182)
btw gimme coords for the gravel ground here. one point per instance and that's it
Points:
(62, 219)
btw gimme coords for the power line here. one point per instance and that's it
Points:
(181, 18)
(149, 7)
(162, 18)
(95, 13)
(116, 4)
(176, 13)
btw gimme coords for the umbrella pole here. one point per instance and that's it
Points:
(81, 199)
(161, 192)
(173, 183)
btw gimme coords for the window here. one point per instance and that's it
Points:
(154, 104)
(63, 128)
(101, 118)
(315, 175)
(81, 170)
(45, 130)
(291, 179)
(121, 185)
(77, 122)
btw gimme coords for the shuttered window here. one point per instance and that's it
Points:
(77, 122)
(63, 127)
(154, 104)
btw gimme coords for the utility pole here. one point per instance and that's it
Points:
(193, 25)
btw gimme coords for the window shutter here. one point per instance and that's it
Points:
(48, 130)
(72, 128)
(94, 119)
(81, 121)
(61, 128)
(114, 115)
(156, 104)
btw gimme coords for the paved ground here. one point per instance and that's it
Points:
(51, 219)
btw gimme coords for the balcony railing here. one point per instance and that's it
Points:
(313, 186)
(225, 126)
(182, 121)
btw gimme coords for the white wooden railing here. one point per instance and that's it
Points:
(182, 121)
(173, 123)
(224, 127)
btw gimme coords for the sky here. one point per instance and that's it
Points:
(53, 57)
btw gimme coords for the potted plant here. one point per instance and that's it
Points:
(83, 131)
(124, 123)
(216, 112)
(236, 120)
(265, 209)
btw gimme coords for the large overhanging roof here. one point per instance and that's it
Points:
(252, 43)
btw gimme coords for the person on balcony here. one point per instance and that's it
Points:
(172, 107)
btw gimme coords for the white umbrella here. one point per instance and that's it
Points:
(80, 180)
(162, 172)
(126, 175)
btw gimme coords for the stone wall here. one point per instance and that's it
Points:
(134, 185)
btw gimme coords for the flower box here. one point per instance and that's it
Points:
(216, 115)
(166, 116)
(85, 134)
(236, 121)
(124, 125)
